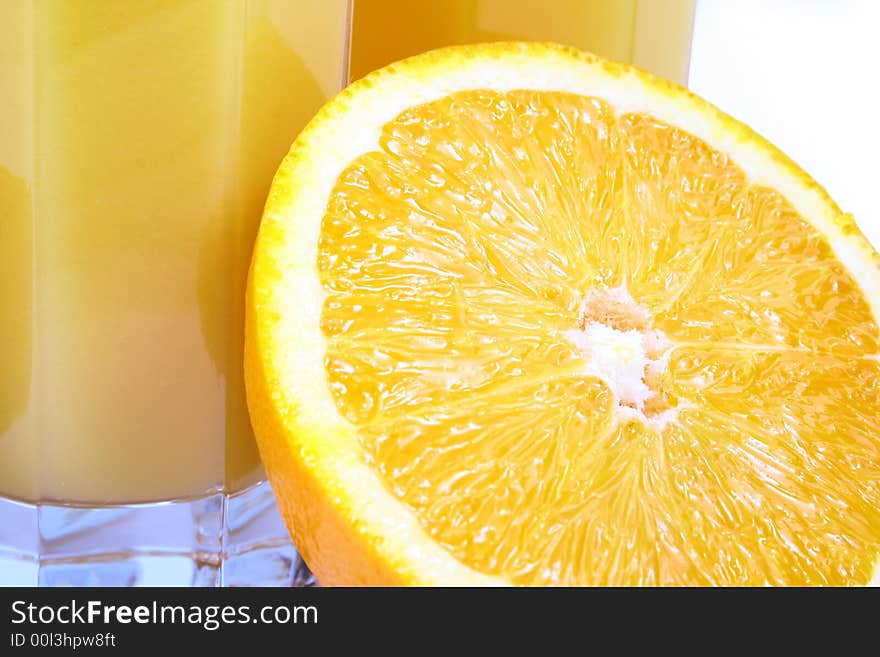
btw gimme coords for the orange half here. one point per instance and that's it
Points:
(519, 315)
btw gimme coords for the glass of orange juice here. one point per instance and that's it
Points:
(652, 34)
(138, 140)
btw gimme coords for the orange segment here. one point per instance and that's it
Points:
(779, 284)
(578, 344)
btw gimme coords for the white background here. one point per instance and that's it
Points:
(806, 75)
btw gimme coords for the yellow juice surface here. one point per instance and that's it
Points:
(652, 34)
(138, 140)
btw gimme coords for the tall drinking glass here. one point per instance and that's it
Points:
(138, 140)
(652, 34)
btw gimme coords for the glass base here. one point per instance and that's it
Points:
(217, 540)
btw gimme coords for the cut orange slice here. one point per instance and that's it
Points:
(518, 315)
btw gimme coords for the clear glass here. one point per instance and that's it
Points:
(137, 143)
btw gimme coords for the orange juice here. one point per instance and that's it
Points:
(652, 34)
(137, 143)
